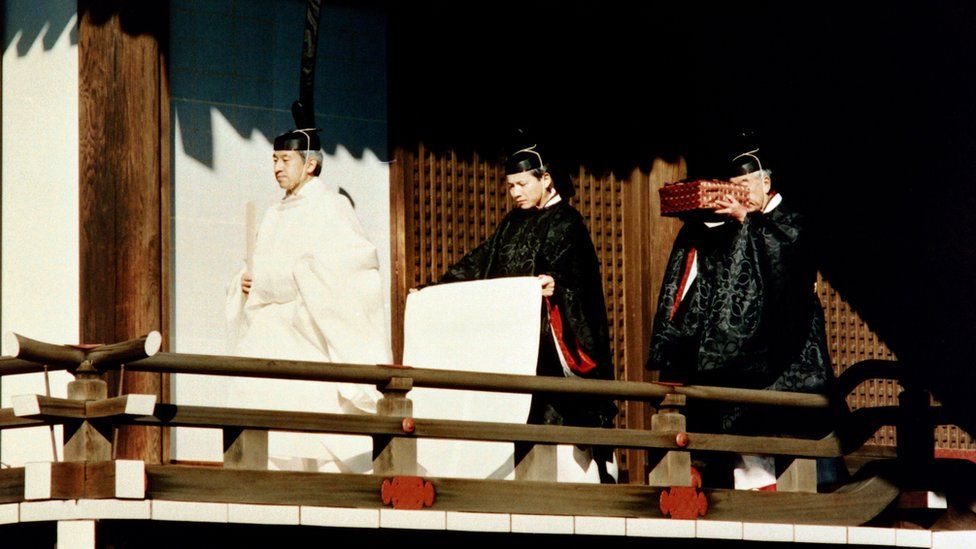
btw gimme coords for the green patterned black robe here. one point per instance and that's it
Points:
(750, 319)
(553, 241)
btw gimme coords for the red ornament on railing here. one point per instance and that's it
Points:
(685, 502)
(407, 493)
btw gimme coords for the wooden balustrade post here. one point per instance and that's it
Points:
(245, 449)
(84, 440)
(799, 476)
(915, 434)
(538, 463)
(674, 467)
(395, 455)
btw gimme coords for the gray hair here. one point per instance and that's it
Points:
(315, 155)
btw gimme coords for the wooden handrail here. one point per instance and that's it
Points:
(61, 356)
(29, 355)
(859, 372)
(451, 379)
(11, 366)
(169, 415)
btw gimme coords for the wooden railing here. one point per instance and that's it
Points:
(90, 417)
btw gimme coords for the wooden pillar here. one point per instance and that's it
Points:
(401, 193)
(647, 241)
(124, 187)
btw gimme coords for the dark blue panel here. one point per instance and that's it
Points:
(31, 19)
(243, 57)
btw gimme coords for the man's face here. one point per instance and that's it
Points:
(758, 187)
(290, 169)
(528, 190)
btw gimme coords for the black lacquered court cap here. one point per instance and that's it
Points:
(305, 139)
(744, 157)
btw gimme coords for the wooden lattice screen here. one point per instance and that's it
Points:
(850, 340)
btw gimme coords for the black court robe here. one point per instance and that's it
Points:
(553, 241)
(750, 319)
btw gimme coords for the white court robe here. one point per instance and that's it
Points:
(316, 295)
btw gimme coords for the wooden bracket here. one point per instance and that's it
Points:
(88, 424)
(60, 410)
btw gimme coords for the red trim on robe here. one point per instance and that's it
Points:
(689, 262)
(577, 359)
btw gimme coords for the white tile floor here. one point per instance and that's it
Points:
(913, 538)
(718, 529)
(812, 533)
(871, 536)
(31, 511)
(600, 526)
(414, 520)
(953, 540)
(542, 524)
(189, 511)
(767, 532)
(75, 513)
(9, 513)
(113, 509)
(660, 528)
(479, 522)
(262, 514)
(340, 517)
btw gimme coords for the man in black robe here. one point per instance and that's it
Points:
(737, 308)
(545, 236)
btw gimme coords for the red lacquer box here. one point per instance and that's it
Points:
(698, 195)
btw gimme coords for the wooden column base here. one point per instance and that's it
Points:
(800, 476)
(538, 464)
(246, 449)
(395, 455)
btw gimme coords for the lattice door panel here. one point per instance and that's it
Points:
(851, 340)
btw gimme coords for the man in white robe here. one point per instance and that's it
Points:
(314, 293)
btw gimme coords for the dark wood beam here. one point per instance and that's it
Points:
(122, 155)
(862, 502)
(12, 485)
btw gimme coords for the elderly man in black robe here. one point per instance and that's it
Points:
(545, 236)
(737, 308)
